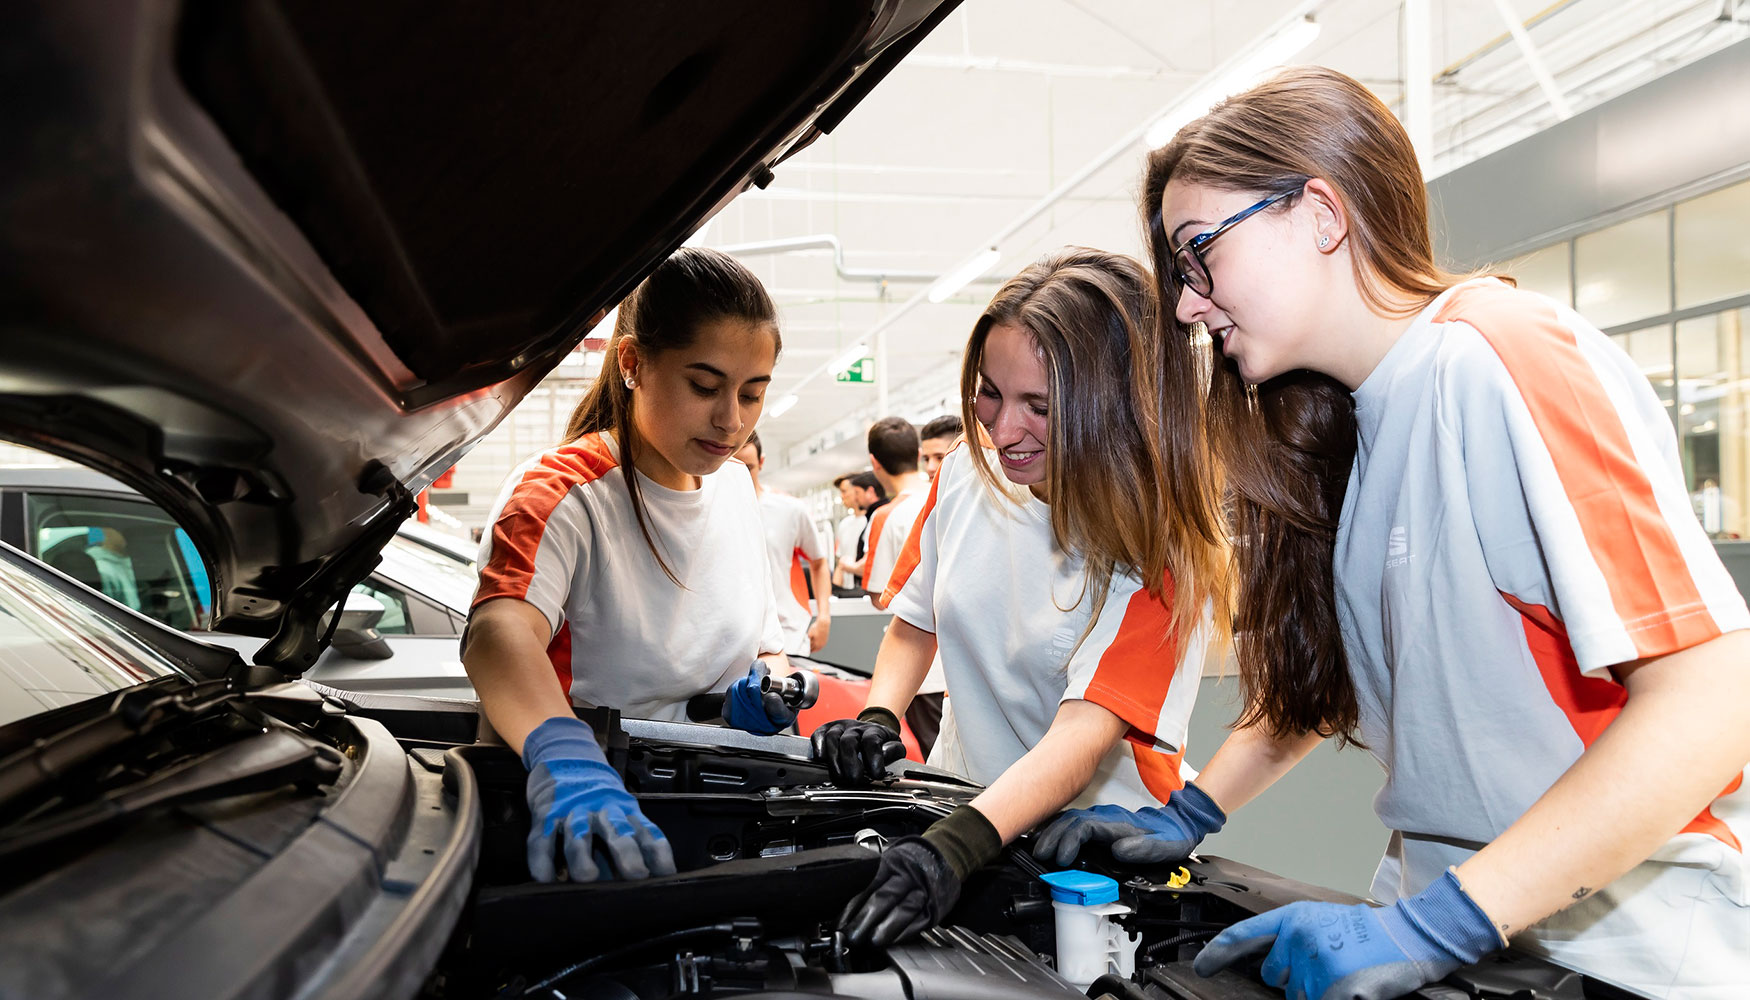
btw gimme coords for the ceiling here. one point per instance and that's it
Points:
(1010, 98)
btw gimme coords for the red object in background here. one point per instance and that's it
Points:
(842, 698)
(423, 515)
(444, 481)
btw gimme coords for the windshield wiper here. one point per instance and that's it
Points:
(133, 715)
(260, 762)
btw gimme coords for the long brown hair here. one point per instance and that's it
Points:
(1287, 447)
(1128, 474)
(689, 290)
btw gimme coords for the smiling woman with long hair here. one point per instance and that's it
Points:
(1463, 540)
(1069, 593)
(616, 572)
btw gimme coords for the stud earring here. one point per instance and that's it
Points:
(631, 383)
(1324, 241)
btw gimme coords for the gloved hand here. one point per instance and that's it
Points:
(857, 751)
(1326, 951)
(919, 879)
(1142, 836)
(578, 804)
(752, 710)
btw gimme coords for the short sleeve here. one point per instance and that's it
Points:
(1570, 472)
(808, 537)
(910, 590)
(1125, 666)
(537, 544)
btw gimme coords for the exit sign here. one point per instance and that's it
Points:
(862, 371)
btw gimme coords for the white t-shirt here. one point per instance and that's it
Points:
(1516, 523)
(565, 539)
(845, 539)
(984, 575)
(790, 538)
(888, 530)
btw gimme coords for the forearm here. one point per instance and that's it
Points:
(900, 666)
(1683, 734)
(1057, 769)
(512, 677)
(1248, 762)
(822, 589)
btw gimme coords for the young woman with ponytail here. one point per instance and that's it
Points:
(1462, 540)
(616, 569)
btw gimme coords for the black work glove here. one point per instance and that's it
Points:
(857, 751)
(919, 879)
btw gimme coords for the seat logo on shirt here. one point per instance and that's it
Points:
(1397, 549)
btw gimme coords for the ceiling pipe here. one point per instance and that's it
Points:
(827, 241)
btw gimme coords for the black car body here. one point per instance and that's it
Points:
(275, 265)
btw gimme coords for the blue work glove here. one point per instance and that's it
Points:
(1142, 836)
(578, 806)
(750, 708)
(1326, 951)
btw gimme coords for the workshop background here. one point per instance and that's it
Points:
(1597, 150)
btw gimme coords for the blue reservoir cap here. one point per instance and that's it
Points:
(1081, 888)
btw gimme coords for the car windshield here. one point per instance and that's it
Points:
(427, 571)
(56, 651)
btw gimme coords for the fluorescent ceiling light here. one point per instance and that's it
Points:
(964, 274)
(782, 406)
(1269, 54)
(844, 361)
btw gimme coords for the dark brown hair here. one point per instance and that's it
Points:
(1127, 470)
(689, 290)
(948, 425)
(1287, 446)
(893, 442)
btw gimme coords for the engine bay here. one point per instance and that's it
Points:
(768, 856)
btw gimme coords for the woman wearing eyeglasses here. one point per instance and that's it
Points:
(1462, 540)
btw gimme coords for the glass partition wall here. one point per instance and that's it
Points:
(1672, 287)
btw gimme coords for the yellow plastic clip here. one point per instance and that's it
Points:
(1179, 879)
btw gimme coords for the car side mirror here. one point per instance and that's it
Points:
(357, 636)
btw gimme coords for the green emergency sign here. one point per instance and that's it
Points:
(862, 371)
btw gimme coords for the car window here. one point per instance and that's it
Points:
(129, 550)
(440, 577)
(395, 619)
(55, 651)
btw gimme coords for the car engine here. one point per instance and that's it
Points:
(769, 854)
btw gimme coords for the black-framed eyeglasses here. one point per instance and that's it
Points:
(1189, 268)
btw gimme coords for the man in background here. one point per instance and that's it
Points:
(797, 556)
(939, 437)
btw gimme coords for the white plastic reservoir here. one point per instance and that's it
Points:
(1089, 942)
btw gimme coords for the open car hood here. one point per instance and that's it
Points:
(279, 264)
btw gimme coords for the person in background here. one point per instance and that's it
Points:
(798, 560)
(924, 714)
(1462, 541)
(936, 439)
(615, 572)
(108, 548)
(850, 528)
(1071, 594)
(871, 495)
(893, 457)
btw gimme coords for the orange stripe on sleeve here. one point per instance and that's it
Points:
(1592, 703)
(799, 577)
(1160, 771)
(1133, 677)
(517, 533)
(1651, 588)
(911, 553)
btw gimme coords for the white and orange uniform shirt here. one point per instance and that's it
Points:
(565, 539)
(889, 528)
(1007, 608)
(792, 543)
(1515, 524)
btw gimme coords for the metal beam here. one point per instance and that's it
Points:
(1534, 60)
